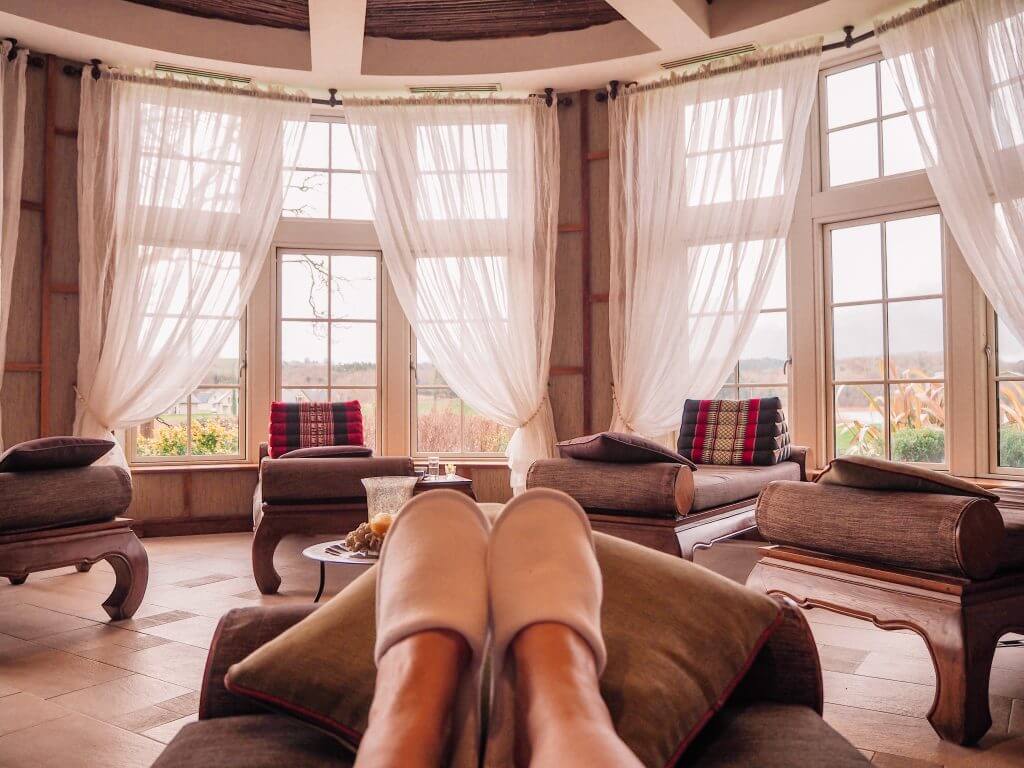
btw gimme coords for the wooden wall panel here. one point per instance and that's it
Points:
(567, 343)
(158, 496)
(222, 493)
(600, 257)
(569, 162)
(566, 394)
(601, 371)
(64, 251)
(32, 176)
(64, 362)
(490, 483)
(23, 331)
(20, 403)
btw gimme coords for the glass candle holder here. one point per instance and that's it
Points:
(433, 466)
(387, 494)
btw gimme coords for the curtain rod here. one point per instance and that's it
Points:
(848, 41)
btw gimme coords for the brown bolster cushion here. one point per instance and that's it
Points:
(940, 533)
(52, 498)
(313, 480)
(645, 490)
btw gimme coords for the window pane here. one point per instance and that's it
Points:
(851, 96)
(226, 365)
(305, 196)
(303, 354)
(481, 435)
(354, 287)
(1010, 350)
(165, 435)
(349, 199)
(315, 146)
(901, 152)
(917, 422)
(853, 154)
(304, 286)
(775, 298)
(343, 152)
(368, 405)
(745, 393)
(353, 354)
(856, 263)
(303, 395)
(215, 422)
(913, 250)
(892, 102)
(426, 373)
(860, 425)
(766, 350)
(916, 339)
(857, 342)
(1011, 424)
(438, 421)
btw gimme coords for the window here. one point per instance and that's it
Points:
(208, 423)
(445, 424)
(763, 367)
(462, 171)
(329, 332)
(1008, 393)
(887, 341)
(326, 183)
(867, 132)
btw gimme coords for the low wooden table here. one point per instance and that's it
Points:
(960, 620)
(453, 482)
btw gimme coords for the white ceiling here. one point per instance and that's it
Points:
(334, 52)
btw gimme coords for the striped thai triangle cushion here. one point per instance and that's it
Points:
(308, 425)
(734, 431)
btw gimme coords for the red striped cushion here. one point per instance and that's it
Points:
(734, 431)
(309, 425)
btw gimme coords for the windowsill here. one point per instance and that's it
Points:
(471, 461)
(157, 469)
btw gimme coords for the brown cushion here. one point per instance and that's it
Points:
(619, 448)
(941, 533)
(772, 736)
(716, 485)
(672, 662)
(58, 497)
(645, 490)
(53, 453)
(1013, 547)
(329, 452)
(323, 480)
(252, 741)
(881, 475)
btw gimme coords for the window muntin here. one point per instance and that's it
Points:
(462, 171)
(886, 306)
(206, 425)
(763, 366)
(326, 182)
(867, 130)
(329, 330)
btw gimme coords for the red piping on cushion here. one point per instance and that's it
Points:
(717, 706)
(315, 718)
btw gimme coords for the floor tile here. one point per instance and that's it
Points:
(197, 630)
(23, 710)
(79, 741)
(120, 696)
(838, 659)
(98, 636)
(186, 704)
(29, 621)
(884, 760)
(164, 733)
(893, 696)
(140, 624)
(200, 581)
(176, 663)
(140, 720)
(46, 672)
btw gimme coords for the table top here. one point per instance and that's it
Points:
(333, 552)
(443, 481)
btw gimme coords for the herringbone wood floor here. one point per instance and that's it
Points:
(77, 690)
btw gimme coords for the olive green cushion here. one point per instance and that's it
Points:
(679, 639)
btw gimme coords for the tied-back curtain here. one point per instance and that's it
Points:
(959, 67)
(465, 196)
(704, 172)
(179, 191)
(12, 161)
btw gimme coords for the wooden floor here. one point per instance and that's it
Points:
(77, 690)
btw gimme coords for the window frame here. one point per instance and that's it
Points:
(886, 381)
(378, 388)
(990, 409)
(131, 436)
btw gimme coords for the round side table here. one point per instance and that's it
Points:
(333, 552)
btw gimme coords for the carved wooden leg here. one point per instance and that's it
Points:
(962, 650)
(264, 542)
(131, 572)
(83, 567)
(16, 580)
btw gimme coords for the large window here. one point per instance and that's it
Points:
(329, 330)
(1007, 359)
(763, 367)
(866, 131)
(326, 183)
(886, 300)
(208, 423)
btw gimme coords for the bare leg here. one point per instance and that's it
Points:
(561, 719)
(410, 718)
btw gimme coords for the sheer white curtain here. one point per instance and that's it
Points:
(959, 66)
(704, 172)
(179, 191)
(12, 160)
(465, 198)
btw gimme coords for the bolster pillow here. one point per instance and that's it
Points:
(940, 533)
(658, 489)
(295, 481)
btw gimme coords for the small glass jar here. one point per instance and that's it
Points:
(433, 466)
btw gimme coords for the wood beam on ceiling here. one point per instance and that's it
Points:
(336, 36)
(672, 25)
(284, 14)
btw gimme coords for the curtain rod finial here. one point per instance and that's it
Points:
(848, 41)
(95, 68)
